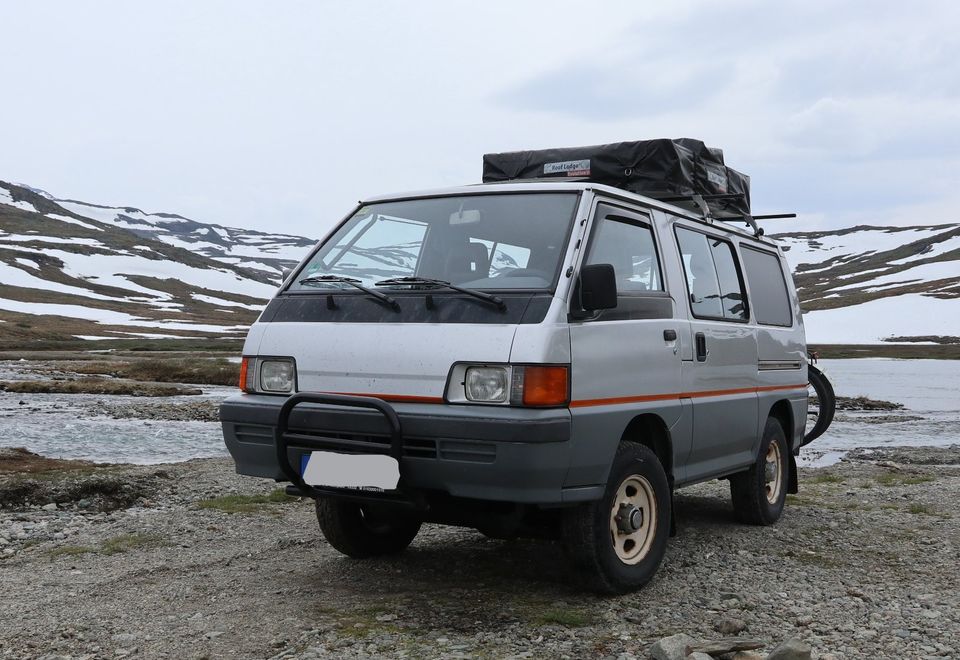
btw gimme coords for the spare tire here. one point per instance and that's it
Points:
(821, 407)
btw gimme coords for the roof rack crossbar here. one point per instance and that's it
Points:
(682, 198)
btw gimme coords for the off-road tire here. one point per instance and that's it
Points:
(586, 529)
(826, 400)
(751, 490)
(359, 531)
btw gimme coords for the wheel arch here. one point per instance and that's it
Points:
(650, 430)
(782, 411)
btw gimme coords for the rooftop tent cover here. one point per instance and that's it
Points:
(655, 168)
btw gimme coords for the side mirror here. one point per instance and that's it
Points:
(598, 287)
(284, 274)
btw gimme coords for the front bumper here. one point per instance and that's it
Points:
(479, 452)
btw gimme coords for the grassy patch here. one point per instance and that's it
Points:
(246, 503)
(896, 479)
(70, 551)
(824, 479)
(918, 509)
(216, 371)
(800, 500)
(127, 542)
(93, 386)
(569, 617)
(855, 506)
(812, 558)
(918, 351)
(111, 546)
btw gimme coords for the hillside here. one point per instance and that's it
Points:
(865, 284)
(75, 270)
(71, 269)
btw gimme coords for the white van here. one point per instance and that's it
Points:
(537, 357)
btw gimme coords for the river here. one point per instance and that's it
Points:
(67, 426)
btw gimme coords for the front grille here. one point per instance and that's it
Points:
(360, 443)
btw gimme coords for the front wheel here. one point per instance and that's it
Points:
(361, 531)
(619, 541)
(759, 493)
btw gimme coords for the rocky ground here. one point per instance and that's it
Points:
(190, 560)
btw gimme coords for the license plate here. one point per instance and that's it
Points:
(361, 471)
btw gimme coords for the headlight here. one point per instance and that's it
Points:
(486, 384)
(521, 385)
(276, 375)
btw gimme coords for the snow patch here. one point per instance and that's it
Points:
(867, 323)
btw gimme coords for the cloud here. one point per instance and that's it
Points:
(282, 116)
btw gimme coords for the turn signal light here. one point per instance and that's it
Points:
(546, 386)
(244, 370)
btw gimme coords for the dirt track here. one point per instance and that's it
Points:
(863, 565)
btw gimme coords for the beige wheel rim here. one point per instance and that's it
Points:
(773, 473)
(633, 519)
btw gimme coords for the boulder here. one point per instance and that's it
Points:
(674, 647)
(792, 649)
(730, 626)
(727, 645)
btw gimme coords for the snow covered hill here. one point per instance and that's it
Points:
(867, 284)
(71, 269)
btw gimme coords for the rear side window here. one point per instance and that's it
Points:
(768, 288)
(713, 279)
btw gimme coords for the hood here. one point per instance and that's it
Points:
(385, 359)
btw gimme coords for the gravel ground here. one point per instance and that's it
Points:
(122, 561)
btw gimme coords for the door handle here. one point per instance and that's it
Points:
(701, 342)
(669, 335)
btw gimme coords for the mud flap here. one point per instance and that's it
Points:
(673, 514)
(793, 483)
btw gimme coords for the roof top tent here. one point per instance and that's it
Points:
(682, 171)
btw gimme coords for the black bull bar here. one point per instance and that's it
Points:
(286, 439)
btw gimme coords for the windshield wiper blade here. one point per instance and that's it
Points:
(355, 283)
(479, 295)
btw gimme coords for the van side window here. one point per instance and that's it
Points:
(732, 297)
(768, 288)
(628, 246)
(713, 280)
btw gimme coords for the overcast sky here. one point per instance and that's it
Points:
(280, 115)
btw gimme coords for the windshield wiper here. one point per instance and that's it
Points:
(354, 282)
(429, 281)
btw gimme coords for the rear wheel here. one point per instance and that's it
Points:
(759, 493)
(619, 541)
(361, 531)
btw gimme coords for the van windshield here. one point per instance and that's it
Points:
(501, 241)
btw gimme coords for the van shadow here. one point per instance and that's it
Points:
(461, 568)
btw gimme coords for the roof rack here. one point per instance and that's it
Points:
(699, 204)
(682, 171)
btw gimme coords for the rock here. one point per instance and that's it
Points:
(387, 617)
(125, 639)
(699, 656)
(747, 655)
(49, 507)
(730, 626)
(792, 649)
(674, 647)
(727, 645)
